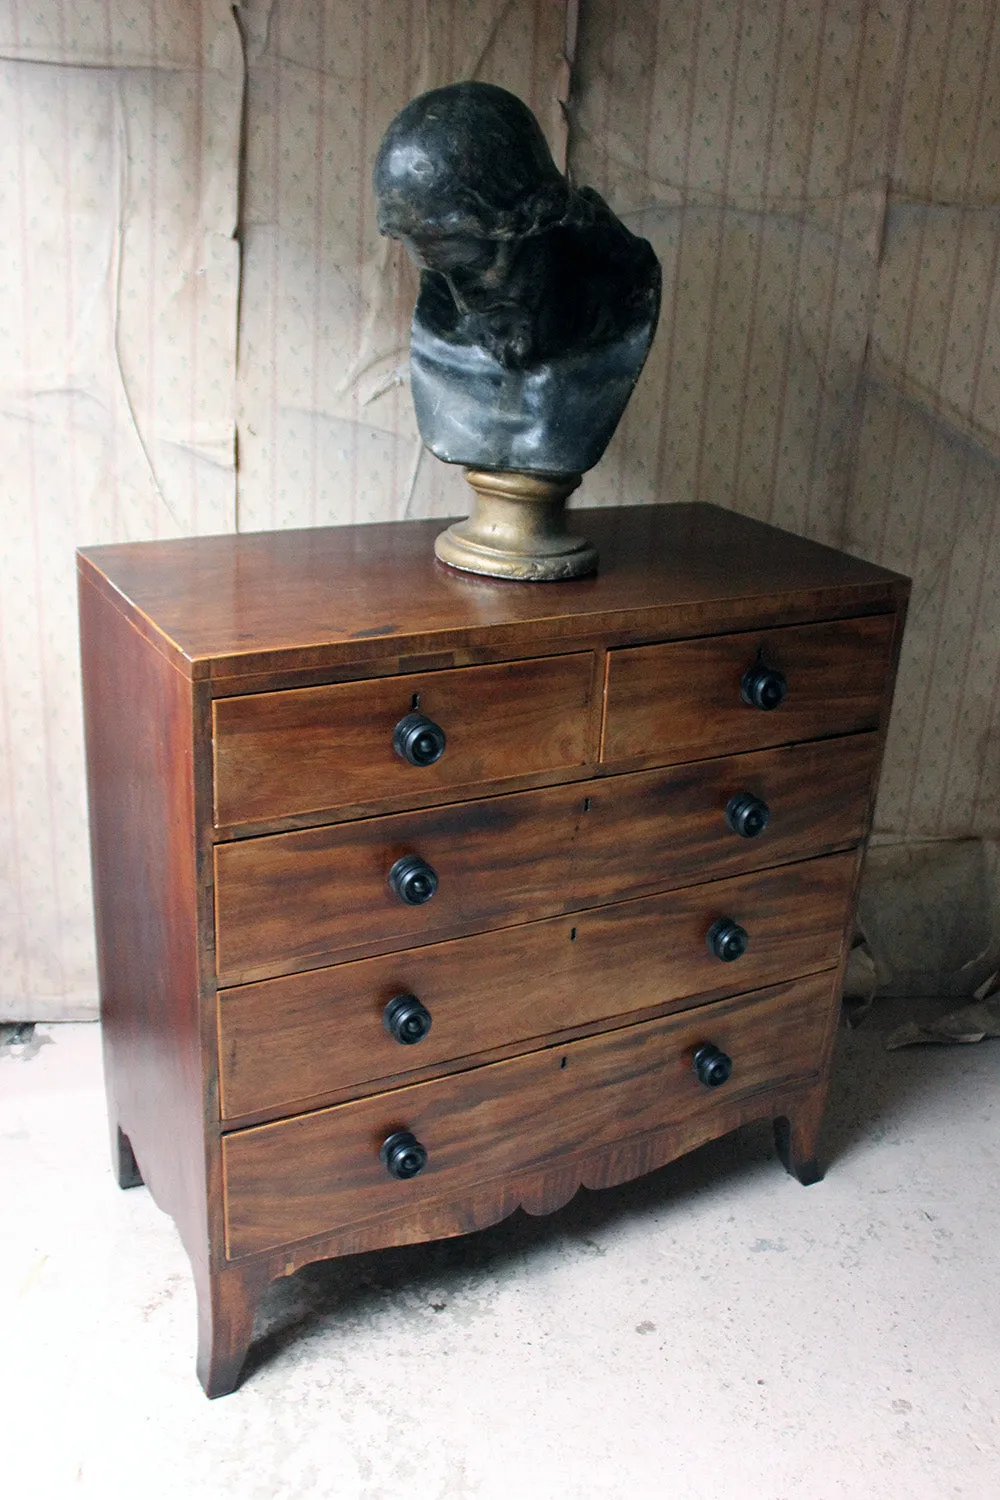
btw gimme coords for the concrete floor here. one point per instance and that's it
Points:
(711, 1331)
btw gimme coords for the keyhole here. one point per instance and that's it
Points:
(414, 702)
(563, 1063)
(572, 934)
(586, 804)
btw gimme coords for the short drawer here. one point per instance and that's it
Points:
(684, 699)
(299, 900)
(285, 1041)
(278, 754)
(512, 1117)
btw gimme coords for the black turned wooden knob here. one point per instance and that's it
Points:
(402, 1155)
(763, 687)
(727, 940)
(712, 1065)
(405, 1019)
(419, 740)
(747, 815)
(413, 880)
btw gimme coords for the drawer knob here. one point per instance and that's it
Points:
(727, 940)
(405, 1019)
(747, 815)
(402, 1155)
(413, 880)
(419, 740)
(712, 1065)
(763, 687)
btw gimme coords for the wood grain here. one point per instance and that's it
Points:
(277, 754)
(284, 1043)
(336, 597)
(293, 901)
(562, 908)
(544, 1190)
(681, 700)
(139, 723)
(510, 1117)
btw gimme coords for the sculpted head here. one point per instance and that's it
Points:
(465, 179)
(468, 161)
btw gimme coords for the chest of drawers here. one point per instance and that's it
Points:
(422, 896)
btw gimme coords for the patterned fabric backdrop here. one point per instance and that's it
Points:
(822, 184)
(200, 329)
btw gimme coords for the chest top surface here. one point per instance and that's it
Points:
(237, 604)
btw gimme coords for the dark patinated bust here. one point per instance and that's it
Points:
(537, 306)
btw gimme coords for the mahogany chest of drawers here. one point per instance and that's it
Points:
(422, 896)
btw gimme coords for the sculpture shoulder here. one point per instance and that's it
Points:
(599, 251)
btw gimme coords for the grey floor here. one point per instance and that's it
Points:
(711, 1331)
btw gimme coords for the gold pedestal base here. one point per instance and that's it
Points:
(517, 530)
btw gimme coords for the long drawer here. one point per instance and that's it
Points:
(683, 699)
(285, 1041)
(300, 900)
(511, 1117)
(306, 749)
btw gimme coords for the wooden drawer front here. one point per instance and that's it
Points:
(298, 900)
(306, 1176)
(277, 754)
(285, 1041)
(682, 700)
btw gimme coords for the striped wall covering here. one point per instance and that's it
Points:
(822, 182)
(119, 138)
(200, 329)
(325, 419)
